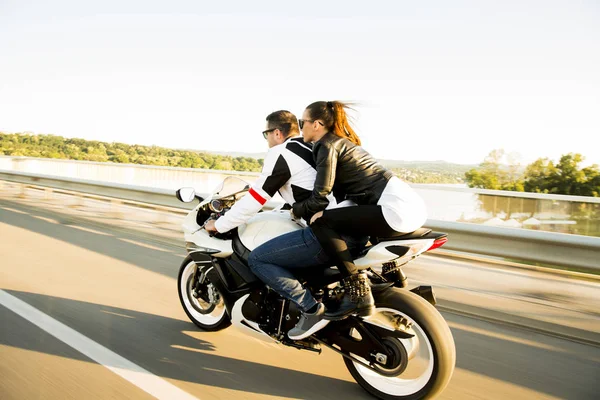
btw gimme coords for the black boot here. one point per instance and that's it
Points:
(358, 299)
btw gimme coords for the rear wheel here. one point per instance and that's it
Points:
(200, 299)
(419, 367)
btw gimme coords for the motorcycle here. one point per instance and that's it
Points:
(405, 350)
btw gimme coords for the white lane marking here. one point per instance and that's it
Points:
(13, 210)
(217, 370)
(146, 245)
(81, 228)
(117, 314)
(127, 370)
(52, 221)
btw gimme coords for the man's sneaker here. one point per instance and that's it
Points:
(309, 324)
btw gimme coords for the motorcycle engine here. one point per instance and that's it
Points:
(274, 315)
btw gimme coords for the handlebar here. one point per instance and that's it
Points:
(222, 236)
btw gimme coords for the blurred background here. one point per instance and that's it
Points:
(488, 110)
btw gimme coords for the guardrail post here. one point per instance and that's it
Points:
(115, 209)
(160, 217)
(522, 205)
(48, 193)
(22, 191)
(78, 201)
(494, 213)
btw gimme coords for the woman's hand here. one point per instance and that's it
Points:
(316, 217)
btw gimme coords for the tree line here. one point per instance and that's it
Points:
(51, 146)
(501, 171)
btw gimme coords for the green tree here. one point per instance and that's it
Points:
(502, 172)
(537, 175)
(120, 156)
(499, 171)
(566, 177)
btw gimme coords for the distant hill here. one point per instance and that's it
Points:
(412, 171)
(438, 165)
(233, 154)
(428, 171)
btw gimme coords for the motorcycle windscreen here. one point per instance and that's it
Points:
(230, 186)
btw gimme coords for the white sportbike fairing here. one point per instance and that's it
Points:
(405, 350)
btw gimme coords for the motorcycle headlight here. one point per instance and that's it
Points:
(216, 206)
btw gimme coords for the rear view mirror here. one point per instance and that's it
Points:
(186, 194)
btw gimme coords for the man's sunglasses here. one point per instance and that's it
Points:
(302, 121)
(266, 133)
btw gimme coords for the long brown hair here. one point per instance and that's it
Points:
(333, 114)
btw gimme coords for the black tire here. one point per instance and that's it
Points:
(438, 333)
(206, 323)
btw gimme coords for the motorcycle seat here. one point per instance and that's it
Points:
(419, 233)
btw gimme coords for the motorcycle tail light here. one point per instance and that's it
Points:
(438, 243)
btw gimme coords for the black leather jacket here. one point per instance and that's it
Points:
(346, 170)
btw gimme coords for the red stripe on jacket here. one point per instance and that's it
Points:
(257, 196)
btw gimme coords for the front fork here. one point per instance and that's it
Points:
(209, 295)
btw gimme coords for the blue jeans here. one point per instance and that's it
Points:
(274, 260)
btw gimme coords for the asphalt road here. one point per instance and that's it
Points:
(119, 291)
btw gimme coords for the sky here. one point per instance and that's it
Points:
(432, 80)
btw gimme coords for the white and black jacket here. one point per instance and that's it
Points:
(289, 169)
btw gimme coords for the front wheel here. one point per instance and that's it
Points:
(425, 361)
(200, 299)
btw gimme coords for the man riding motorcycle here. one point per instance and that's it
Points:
(289, 169)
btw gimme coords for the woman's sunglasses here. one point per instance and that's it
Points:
(302, 121)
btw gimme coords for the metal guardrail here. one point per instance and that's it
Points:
(547, 212)
(22, 159)
(548, 248)
(142, 194)
(507, 193)
(582, 252)
(44, 162)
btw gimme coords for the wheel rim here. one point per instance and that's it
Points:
(420, 366)
(192, 304)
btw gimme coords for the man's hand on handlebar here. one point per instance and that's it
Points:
(210, 227)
